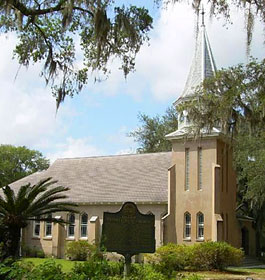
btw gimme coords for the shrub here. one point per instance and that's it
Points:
(15, 270)
(49, 270)
(96, 269)
(214, 255)
(82, 250)
(32, 252)
(170, 258)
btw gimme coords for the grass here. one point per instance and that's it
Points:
(230, 273)
(66, 264)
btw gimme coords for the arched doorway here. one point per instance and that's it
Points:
(245, 240)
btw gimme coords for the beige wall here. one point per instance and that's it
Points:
(194, 200)
(55, 245)
(217, 198)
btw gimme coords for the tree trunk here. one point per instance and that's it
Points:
(14, 242)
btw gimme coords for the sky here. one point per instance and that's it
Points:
(97, 121)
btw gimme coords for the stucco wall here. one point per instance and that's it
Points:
(47, 243)
(194, 200)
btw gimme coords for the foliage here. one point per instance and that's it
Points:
(214, 255)
(18, 162)
(170, 258)
(32, 252)
(48, 31)
(28, 204)
(10, 270)
(151, 135)
(96, 269)
(82, 250)
(105, 31)
(145, 272)
(235, 100)
(49, 270)
(204, 256)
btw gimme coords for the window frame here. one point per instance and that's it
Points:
(71, 225)
(187, 226)
(187, 169)
(199, 168)
(200, 226)
(83, 225)
(34, 224)
(48, 224)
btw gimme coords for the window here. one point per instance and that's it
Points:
(200, 226)
(187, 169)
(36, 227)
(83, 226)
(226, 218)
(187, 225)
(48, 226)
(199, 168)
(71, 225)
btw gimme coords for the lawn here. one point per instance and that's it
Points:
(231, 273)
(66, 265)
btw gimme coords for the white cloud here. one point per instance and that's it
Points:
(124, 143)
(27, 108)
(162, 67)
(74, 147)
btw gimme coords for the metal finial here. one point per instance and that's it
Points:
(203, 13)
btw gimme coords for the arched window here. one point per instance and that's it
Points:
(36, 227)
(200, 226)
(83, 225)
(48, 226)
(71, 225)
(187, 225)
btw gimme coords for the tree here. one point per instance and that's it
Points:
(151, 135)
(18, 162)
(235, 101)
(31, 203)
(47, 32)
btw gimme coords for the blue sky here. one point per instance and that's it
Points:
(97, 121)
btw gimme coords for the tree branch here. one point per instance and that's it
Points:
(33, 12)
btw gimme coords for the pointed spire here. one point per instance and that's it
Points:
(203, 64)
(203, 13)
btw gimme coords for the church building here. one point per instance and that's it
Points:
(190, 190)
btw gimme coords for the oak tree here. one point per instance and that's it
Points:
(49, 30)
(18, 162)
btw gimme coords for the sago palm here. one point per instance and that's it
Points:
(29, 204)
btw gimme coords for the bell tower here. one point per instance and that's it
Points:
(203, 66)
(202, 181)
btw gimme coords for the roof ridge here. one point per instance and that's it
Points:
(110, 156)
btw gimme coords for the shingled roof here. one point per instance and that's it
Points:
(140, 178)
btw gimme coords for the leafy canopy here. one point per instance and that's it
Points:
(151, 134)
(18, 162)
(48, 30)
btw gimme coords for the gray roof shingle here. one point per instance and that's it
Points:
(110, 179)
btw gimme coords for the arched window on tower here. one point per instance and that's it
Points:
(83, 225)
(200, 226)
(187, 225)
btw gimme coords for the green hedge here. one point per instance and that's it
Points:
(82, 250)
(203, 256)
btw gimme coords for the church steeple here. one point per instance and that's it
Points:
(203, 64)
